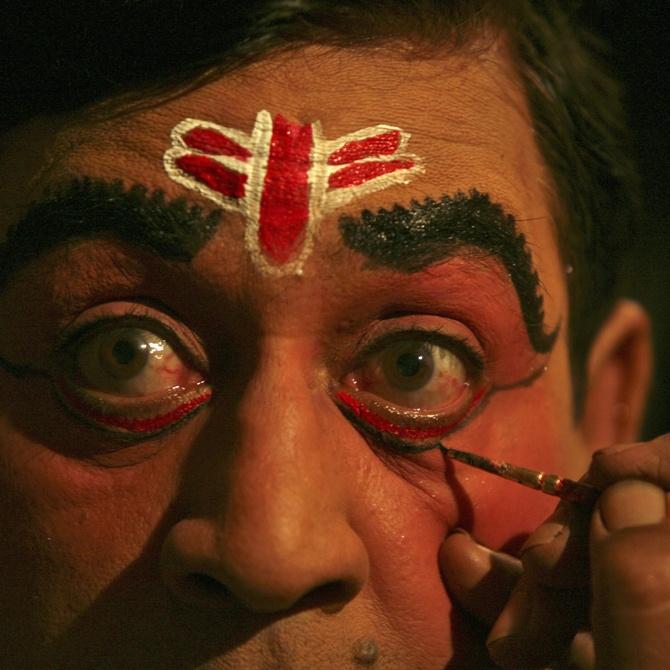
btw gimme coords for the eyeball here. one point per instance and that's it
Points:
(413, 373)
(131, 362)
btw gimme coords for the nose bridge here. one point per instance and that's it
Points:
(280, 473)
(282, 392)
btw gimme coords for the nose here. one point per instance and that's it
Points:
(265, 519)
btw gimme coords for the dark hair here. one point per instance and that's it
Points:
(64, 55)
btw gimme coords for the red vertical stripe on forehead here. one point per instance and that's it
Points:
(379, 145)
(359, 173)
(284, 210)
(212, 142)
(213, 174)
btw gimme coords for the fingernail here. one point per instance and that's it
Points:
(582, 652)
(550, 531)
(631, 503)
(614, 449)
(461, 555)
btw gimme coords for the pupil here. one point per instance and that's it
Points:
(124, 351)
(409, 364)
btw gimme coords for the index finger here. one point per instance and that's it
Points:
(556, 553)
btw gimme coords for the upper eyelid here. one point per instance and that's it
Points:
(430, 335)
(89, 327)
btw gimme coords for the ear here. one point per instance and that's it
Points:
(618, 375)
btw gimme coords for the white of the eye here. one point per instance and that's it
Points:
(447, 362)
(151, 378)
(447, 376)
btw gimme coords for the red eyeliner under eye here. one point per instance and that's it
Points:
(408, 425)
(145, 422)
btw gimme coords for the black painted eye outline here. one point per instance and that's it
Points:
(404, 435)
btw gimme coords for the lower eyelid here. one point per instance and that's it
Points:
(408, 426)
(365, 414)
(142, 420)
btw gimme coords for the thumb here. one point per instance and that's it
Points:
(479, 579)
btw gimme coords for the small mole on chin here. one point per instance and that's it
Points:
(366, 652)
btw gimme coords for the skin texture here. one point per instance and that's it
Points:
(267, 531)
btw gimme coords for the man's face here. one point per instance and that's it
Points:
(283, 522)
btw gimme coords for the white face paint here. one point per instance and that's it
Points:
(284, 177)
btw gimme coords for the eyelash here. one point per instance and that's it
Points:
(459, 345)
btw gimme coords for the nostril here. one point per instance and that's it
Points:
(201, 585)
(331, 597)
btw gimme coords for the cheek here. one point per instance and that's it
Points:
(503, 513)
(74, 528)
(402, 528)
(406, 510)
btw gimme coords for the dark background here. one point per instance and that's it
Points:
(638, 33)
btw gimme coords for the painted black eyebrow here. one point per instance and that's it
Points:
(85, 208)
(411, 239)
(406, 239)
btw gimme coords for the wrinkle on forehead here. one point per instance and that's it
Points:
(367, 75)
(373, 72)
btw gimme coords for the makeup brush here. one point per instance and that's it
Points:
(554, 485)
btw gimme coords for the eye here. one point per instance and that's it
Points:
(414, 386)
(414, 374)
(132, 362)
(133, 379)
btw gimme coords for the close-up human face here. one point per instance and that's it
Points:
(213, 431)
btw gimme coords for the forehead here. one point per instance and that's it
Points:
(458, 108)
(465, 112)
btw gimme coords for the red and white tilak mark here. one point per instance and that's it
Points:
(285, 176)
